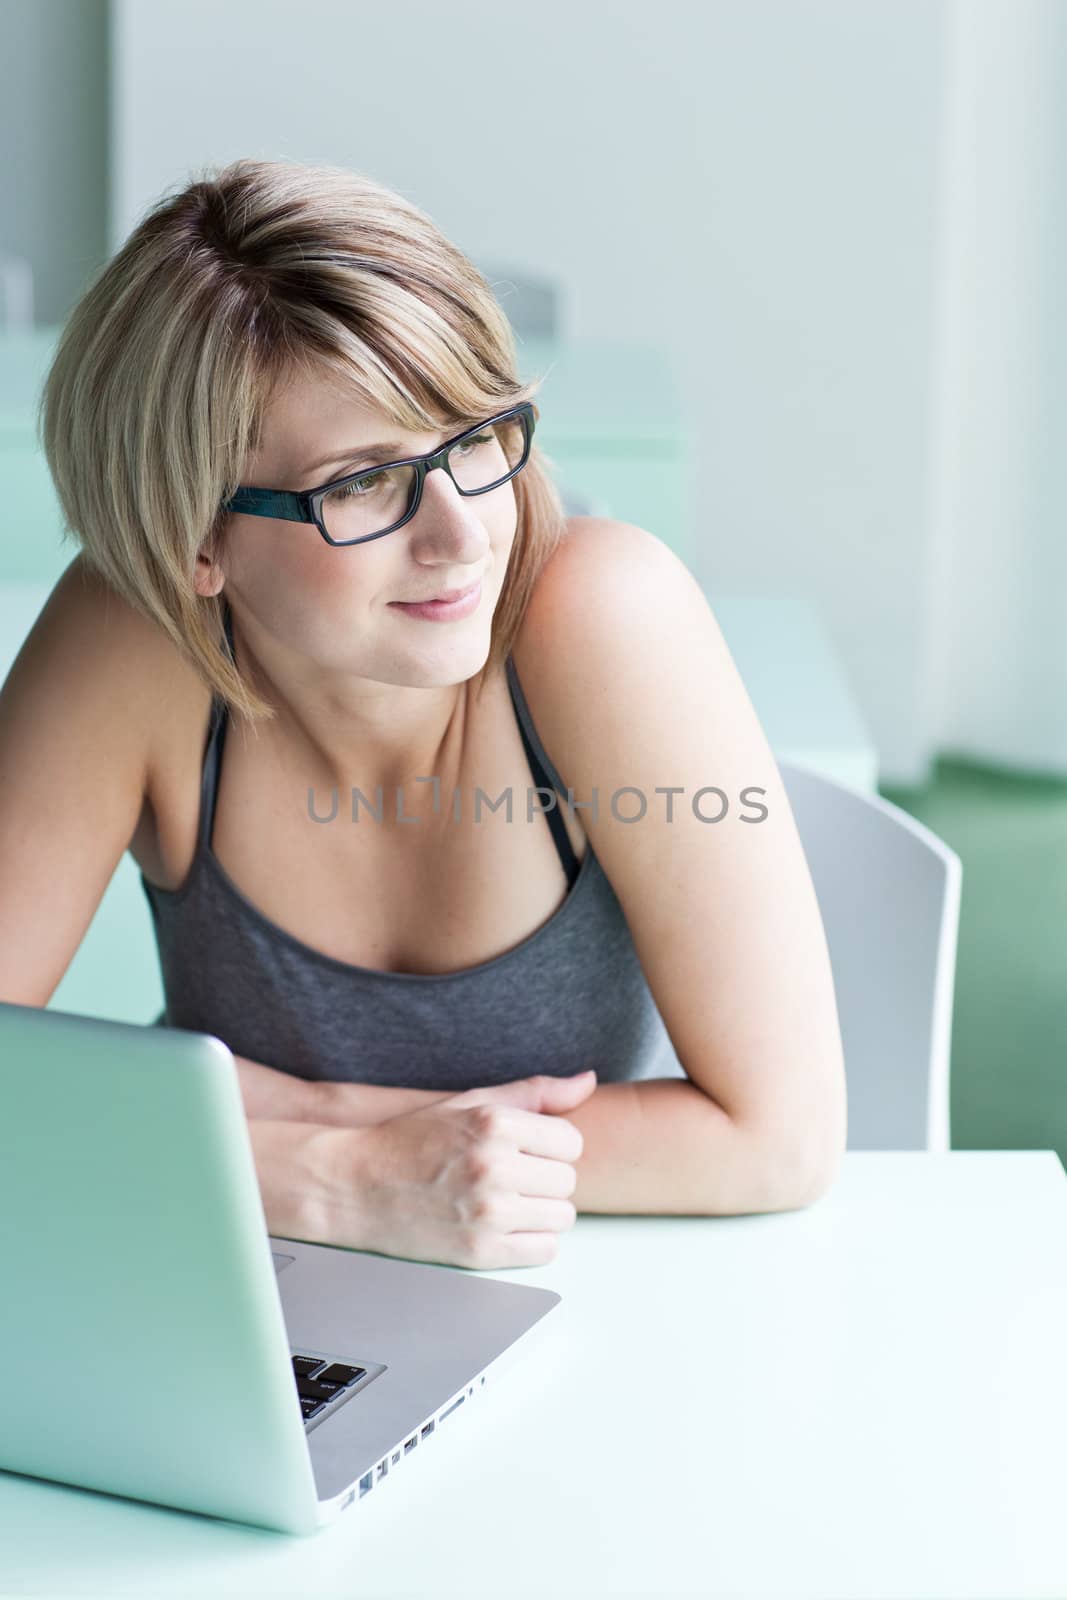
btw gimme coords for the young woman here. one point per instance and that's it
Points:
(440, 799)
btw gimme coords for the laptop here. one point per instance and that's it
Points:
(157, 1342)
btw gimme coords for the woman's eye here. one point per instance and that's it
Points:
(361, 487)
(469, 444)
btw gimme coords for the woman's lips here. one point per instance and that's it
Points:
(448, 595)
(465, 602)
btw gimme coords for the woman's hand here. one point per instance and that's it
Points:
(477, 1179)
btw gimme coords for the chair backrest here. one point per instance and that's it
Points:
(889, 893)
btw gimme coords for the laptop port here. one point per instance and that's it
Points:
(410, 1443)
(396, 1457)
(348, 1499)
(452, 1408)
(427, 1428)
(366, 1483)
(383, 1468)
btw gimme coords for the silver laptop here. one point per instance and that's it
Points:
(156, 1342)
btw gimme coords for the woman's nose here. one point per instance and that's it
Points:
(446, 515)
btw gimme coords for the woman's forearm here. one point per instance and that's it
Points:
(283, 1097)
(288, 1158)
(279, 1096)
(316, 1183)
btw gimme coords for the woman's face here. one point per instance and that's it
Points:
(309, 602)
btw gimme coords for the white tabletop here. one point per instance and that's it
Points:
(864, 1398)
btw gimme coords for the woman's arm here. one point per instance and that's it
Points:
(638, 698)
(276, 1096)
(287, 1155)
(79, 710)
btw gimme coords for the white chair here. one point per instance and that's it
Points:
(889, 893)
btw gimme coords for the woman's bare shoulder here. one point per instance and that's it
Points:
(85, 612)
(92, 694)
(599, 561)
(93, 663)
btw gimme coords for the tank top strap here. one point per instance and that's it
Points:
(227, 624)
(212, 770)
(545, 775)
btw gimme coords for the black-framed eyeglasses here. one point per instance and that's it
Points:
(375, 501)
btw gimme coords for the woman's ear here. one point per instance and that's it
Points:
(209, 576)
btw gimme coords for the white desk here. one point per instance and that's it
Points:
(865, 1398)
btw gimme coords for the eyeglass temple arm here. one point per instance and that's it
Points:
(270, 503)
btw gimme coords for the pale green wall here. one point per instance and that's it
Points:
(53, 144)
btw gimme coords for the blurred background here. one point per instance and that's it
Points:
(791, 270)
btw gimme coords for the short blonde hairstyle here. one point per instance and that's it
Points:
(254, 273)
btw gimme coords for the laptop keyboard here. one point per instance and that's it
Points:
(321, 1383)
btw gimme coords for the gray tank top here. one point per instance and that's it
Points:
(571, 995)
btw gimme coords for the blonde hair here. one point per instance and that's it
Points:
(253, 273)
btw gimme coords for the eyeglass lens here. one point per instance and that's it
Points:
(381, 498)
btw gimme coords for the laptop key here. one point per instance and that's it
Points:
(311, 1408)
(309, 1389)
(304, 1366)
(340, 1374)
